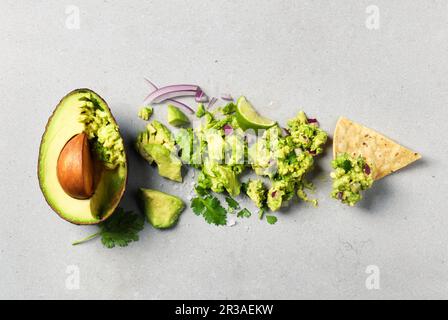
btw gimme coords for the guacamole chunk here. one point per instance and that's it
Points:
(102, 133)
(257, 192)
(286, 159)
(219, 178)
(217, 148)
(156, 144)
(200, 111)
(350, 177)
(145, 113)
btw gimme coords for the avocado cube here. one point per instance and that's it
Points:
(161, 209)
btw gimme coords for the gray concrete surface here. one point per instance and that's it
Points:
(284, 55)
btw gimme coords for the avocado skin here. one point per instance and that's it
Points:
(123, 179)
(161, 209)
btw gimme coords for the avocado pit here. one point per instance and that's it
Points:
(75, 168)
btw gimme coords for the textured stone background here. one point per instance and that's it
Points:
(283, 55)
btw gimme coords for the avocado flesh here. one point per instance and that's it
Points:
(168, 165)
(161, 209)
(110, 184)
(176, 117)
(156, 144)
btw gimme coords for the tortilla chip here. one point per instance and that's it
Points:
(385, 155)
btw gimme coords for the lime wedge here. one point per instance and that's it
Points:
(249, 118)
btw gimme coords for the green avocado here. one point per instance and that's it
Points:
(145, 113)
(169, 165)
(219, 178)
(161, 209)
(156, 144)
(82, 111)
(176, 117)
(256, 191)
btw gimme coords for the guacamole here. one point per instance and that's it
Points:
(257, 192)
(286, 159)
(222, 150)
(350, 177)
(145, 113)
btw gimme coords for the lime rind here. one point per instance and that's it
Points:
(249, 118)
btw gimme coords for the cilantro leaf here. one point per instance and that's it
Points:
(210, 208)
(232, 203)
(118, 230)
(121, 229)
(244, 213)
(271, 219)
(200, 191)
(229, 108)
(197, 205)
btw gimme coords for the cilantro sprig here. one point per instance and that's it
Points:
(244, 213)
(119, 230)
(210, 208)
(232, 203)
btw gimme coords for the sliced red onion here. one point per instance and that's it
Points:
(273, 194)
(228, 129)
(173, 91)
(212, 102)
(172, 101)
(312, 120)
(367, 170)
(312, 152)
(200, 96)
(154, 87)
(340, 195)
(226, 97)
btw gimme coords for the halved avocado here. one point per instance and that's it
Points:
(109, 183)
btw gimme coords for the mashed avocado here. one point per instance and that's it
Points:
(222, 151)
(216, 151)
(306, 135)
(156, 144)
(102, 133)
(257, 192)
(350, 177)
(287, 159)
(219, 178)
(145, 113)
